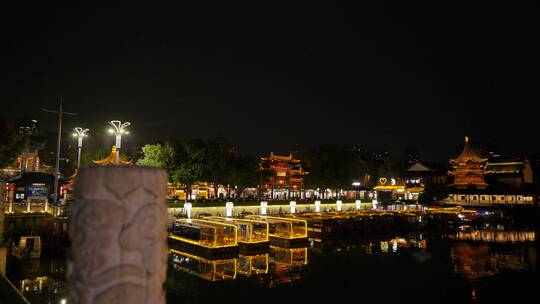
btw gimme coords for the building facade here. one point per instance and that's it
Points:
(282, 177)
(489, 181)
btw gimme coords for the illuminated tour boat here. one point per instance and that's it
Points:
(205, 238)
(318, 222)
(251, 234)
(284, 231)
(347, 222)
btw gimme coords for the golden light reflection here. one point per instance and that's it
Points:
(496, 236)
(252, 265)
(284, 261)
(210, 270)
(289, 256)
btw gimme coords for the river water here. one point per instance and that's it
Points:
(481, 264)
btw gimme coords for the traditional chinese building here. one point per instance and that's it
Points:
(389, 189)
(29, 159)
(282, 176)
(111, 159)
(510, 180)
(468, 169)
(512, 172)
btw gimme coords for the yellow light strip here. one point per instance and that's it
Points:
(248, 222)
(283, 219)
(208, 224)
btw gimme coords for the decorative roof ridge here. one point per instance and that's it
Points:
(468, 154)
(111, 159)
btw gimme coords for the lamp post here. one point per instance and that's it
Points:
(80, 133)
(60, 113)
(119, 129)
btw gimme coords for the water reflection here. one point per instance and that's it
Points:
(283, 263)
(248, 265)
(286, 265)
(40, 281)
(475, 263)
(210, 270)
(478, 261)
(496, 236)
(295, 257)
(401, 243)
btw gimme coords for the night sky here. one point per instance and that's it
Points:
(283, 78)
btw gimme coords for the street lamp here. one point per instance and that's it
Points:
(118, 129)
(80, 133)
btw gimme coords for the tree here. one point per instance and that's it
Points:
(392, 167)
(188, 163)
(97, 146)
(183, 160)
(11, 144)
(219, 162)
(158, 156)
(333, 166)
(244, 173)
(372, 169)
(433, 193)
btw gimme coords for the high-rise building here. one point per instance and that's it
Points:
(28, 126)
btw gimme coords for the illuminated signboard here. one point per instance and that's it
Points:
(37, 190)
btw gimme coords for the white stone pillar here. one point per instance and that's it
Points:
(317, 206)
(264, 207)
(229, 206)
(293, 207)
(187, 209)
(339, 205)
(118, 231)
(358, 204)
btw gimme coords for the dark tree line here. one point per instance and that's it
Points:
(11, 144)
(219, 163)
(337, 167)
(191, 160)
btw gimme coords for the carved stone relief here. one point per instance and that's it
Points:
(118, 229)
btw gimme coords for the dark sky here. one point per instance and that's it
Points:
(277, 77)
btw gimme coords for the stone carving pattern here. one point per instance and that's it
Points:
(2, 206)
(118, 229)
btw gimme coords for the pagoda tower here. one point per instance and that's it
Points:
(284, 174)
(468, 169)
